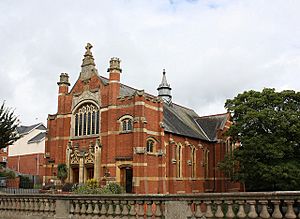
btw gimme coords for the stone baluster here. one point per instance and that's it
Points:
(264, 211)
(41, 208)
(72, 209)
(252, 212)
(219, 213)
(26, 206)
(132, 213)
(229, 213)
(96, 208)
(241, 213)
(125, 211)
(290, 214)
(140, 211)
(276, 213)
(47, 207)
(198, 212)
(22, 206)
(208, 213)
(83, 207)
(149, 209)
(117, 209)
(158, 209)
(110, 211)
(103, 209)
(77, 208)
(89, 210)
(189, 212)
(52, 207)
(36, 206)
(30, 207)
(8, 206)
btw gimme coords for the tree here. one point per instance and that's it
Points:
(62, 172)
(267, 126)
(8, 125)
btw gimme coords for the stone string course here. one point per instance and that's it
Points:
(205, 205)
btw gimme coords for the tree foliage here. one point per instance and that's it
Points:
(62, 172)
(8, 125)
(267, 126)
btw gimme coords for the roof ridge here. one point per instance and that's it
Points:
(214, 115)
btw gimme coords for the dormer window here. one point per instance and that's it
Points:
(87, 120)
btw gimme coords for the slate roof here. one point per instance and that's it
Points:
(211, 124)
(26, 129)
(39, 137)
(183, 121)
(124, 89)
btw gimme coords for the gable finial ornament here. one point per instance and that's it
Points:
(88, 64)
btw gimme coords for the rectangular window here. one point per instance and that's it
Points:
(97, 122)
(80, 125)
(84, 124)
(76, 125)
(93, 122)
(179, 161)
(89, 124)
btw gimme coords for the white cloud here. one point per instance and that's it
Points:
(212, 50)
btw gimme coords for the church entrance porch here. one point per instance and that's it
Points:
(83, 163)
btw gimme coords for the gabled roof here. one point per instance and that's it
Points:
(180, 120)
(26, 129)
(211, 124)
(183, 121)
(124, 89)
(39, 137)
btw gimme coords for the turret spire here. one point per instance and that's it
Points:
(88, 64)
(164, 89)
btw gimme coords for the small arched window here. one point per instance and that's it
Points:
(126, 124)
(150, 146)
(87, 120)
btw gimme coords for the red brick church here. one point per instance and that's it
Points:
(106, 130)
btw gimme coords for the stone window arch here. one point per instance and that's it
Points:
(86, 120)
(151, 145)
(126, 123)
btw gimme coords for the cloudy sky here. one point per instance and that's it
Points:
(211, 50)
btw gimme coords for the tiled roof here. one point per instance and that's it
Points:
(180, 120)
(183, 121)
(124, 89)
(211, 124)
(37, 138)
(26, 129)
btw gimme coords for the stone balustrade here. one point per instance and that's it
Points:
(205, 205)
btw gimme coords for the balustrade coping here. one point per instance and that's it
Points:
(278, 195)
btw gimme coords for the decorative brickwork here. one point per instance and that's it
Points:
(137, 138)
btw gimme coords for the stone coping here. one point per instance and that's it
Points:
(278, 195)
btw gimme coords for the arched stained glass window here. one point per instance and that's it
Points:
(87, 120)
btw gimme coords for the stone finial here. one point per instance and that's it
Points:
(114, 64)
(63, 79)
(88, 56)
(88, 64)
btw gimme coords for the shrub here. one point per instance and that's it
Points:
(25, 182)
(67, 187)
(112, 188)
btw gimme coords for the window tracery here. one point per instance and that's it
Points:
(87, 120)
